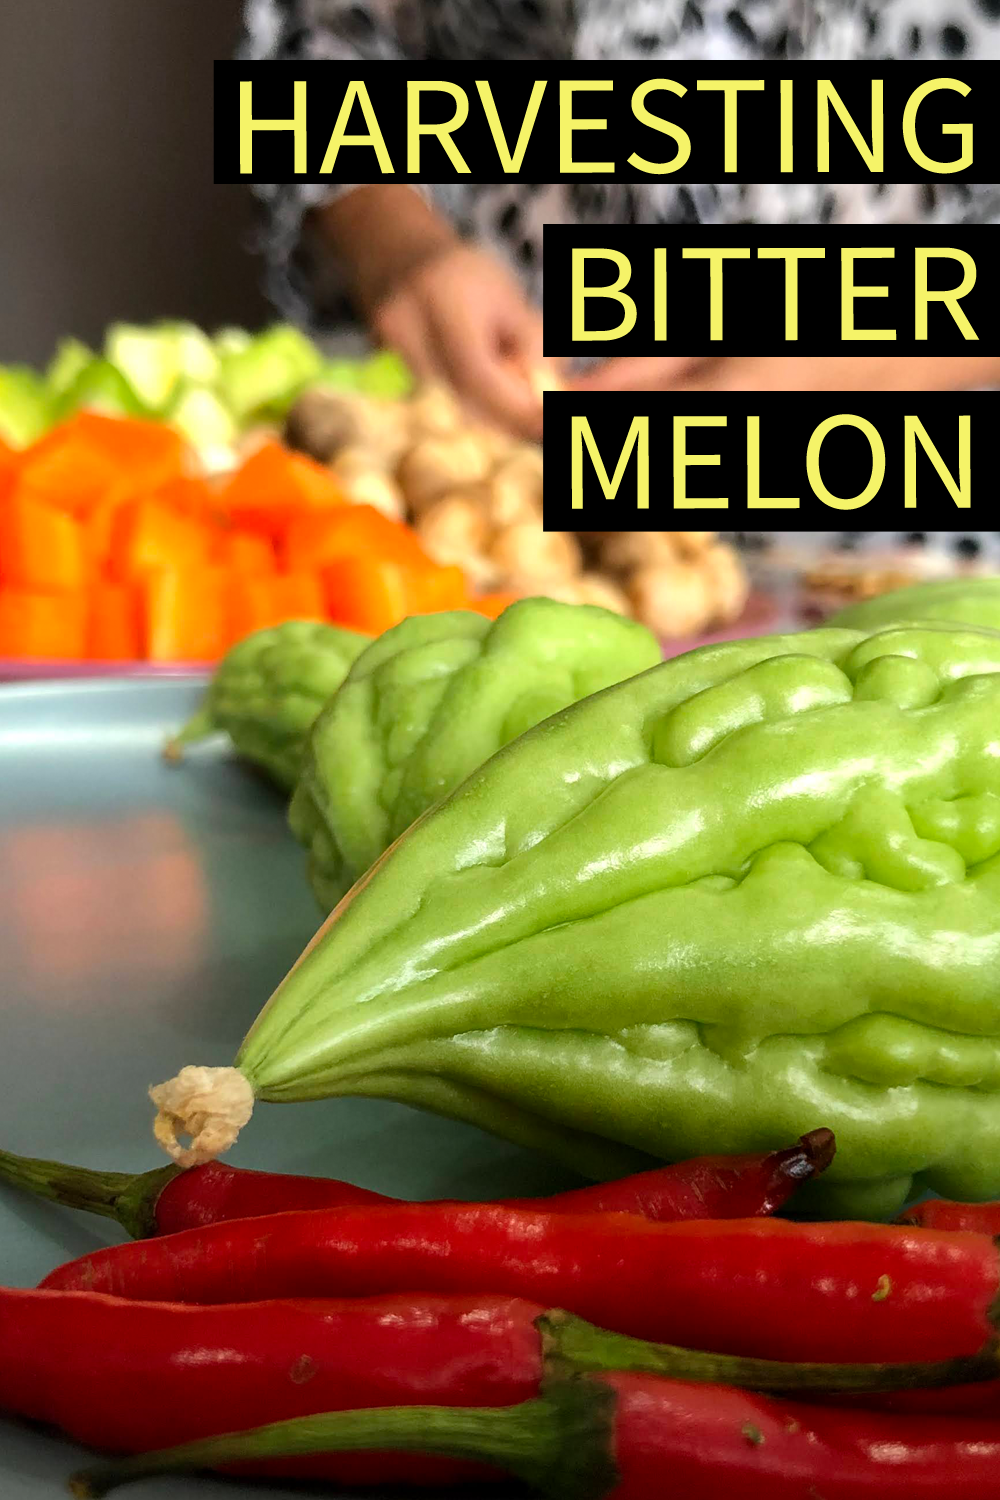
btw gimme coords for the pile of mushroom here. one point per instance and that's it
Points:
(474, 496)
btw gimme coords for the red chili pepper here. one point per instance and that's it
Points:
(744, 1286)
(707, 1187)
(940, 1213)
(131, 1377)
(636, 1437)
(127, 1376)
(978, 1399)
(167, 1200)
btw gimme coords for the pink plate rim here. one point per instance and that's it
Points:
(33, 669)
(760, 616)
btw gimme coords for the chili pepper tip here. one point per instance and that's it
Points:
(819, 1147)
(85, 1487)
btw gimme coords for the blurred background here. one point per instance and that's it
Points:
(109, 209)
(161, 482)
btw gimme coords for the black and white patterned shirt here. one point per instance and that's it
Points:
(510, 216)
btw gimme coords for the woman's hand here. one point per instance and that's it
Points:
(794, 372)
(454, 312)
(460, 317)
(638, 373)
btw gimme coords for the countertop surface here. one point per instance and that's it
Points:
(147, 913)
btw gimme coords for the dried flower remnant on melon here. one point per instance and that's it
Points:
(208, 1105)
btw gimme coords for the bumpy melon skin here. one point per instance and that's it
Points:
(268, 691)
(427, 703)
(961, 601)
(749, 892)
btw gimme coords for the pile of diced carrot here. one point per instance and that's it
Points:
(111, 549)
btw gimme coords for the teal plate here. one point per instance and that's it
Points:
(146, 912)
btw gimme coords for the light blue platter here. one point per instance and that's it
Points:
(146, 912)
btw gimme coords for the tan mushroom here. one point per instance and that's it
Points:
(456, 530)
(384, 429)
(436, 466)
(497, 445)
(323, 423)
(521, 463)
(375, 488)
(355, 460)
(621, 551)
(320, 425)
(528, 557)
(693, 543)
(673, 599)
(507, 503)
(513, 492)
(433, 412)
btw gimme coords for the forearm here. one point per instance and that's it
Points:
(379, 235)
(321, 246)
(795, 372)
(880, 372)
(964, 372)
(876, 372)
(916, 373)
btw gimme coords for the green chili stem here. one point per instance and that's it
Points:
(562, 1441)
(560, 1444)
(569, 1343)
(126, 1197)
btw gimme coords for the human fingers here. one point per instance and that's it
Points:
(636, 373)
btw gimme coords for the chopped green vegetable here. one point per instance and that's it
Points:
(103, 388)
(209, 387)
(68, 362)
(385, 375)
(25, 406)
(340, 375)
(269, 373)
(200, 416)
(197, 357)
(139, 355)
(154, 360)
(231, 341)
